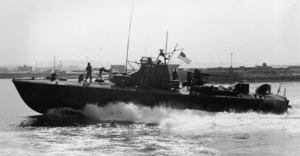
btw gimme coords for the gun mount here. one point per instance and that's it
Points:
(198, 79)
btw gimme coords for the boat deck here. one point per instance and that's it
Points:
(105, 84)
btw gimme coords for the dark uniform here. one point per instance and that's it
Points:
(88, 72)
(174, 75)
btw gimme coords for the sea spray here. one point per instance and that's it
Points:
(194, 120)
(126, 112)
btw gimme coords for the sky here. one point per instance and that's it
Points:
(254, 31)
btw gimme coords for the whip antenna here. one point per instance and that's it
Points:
(174, 52)
(129, 36)
(281, 81)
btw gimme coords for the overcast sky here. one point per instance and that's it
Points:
(208, 30)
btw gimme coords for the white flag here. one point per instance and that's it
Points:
(182, 57)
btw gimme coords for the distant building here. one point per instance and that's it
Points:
(263, 68)
(294, 68)
(25, 69)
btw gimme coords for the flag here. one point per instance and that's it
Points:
(182, 57)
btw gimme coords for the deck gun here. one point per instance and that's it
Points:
(198, 78)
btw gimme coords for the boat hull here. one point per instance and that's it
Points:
(41, 97)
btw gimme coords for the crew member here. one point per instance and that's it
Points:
(100, 72)
(159, 62)
(53, 77)
(174, 75)
(88, 72)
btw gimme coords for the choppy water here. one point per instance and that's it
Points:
(129, 129)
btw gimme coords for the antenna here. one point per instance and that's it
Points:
(54, 65)
(281, 81)
(129, 36)
(166, 45)
(174, 52)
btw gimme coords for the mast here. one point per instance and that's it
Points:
(166, 46)
(281, 81)
(174, 52)
(54, 65)
(128, 36)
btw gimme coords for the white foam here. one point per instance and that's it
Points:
(295, 102)
(193, 120)
(62, 112)
(126, 112)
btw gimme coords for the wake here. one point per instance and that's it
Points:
(185, 119)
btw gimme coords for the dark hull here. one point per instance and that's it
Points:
(44, 96)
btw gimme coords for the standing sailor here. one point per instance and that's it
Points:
(174, 75)
(88, 72)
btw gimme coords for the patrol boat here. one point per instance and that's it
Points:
(149, 86)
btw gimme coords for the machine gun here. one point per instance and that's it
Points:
(195, 82)
(198, 79)
(102, 69)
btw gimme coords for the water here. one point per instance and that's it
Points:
(128, 129)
